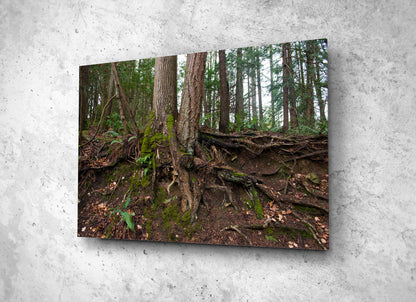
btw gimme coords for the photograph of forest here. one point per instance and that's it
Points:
(226, 147)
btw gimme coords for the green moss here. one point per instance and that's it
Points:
(135, 183)
(258, 209)
(160, 196)
(269, 231)
(146, 141)
(185, 219)
(170, 123)
(169, 215)
(308, 210)
(192, 229)
(145, 181)
(238, 174)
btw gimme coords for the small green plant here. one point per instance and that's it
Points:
(271, 238)
(113, 121)
(146, 162)
(126, 216)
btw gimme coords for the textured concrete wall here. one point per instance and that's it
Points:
(372, 47)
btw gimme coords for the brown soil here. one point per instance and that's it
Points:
(298, 218)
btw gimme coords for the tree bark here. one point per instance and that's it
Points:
(193, 90)
(272, 92)
(310, 71)
(258, 68)
(285, 88)
(239, 105)
(224, 94)
(165, 92)
(318, 86)
(292, 97)
(301, 76)
(253, 95)
(83, 99)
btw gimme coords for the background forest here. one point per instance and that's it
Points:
(229, 129)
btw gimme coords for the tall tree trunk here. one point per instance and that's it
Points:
(123, 102)
(83, 99)
(272, 87)
(310, 71)
(165, 92)
(239, 104)
(95, 113)
(285, 88)
(193, 90)
(108, 109)
(253, 95)
(224, 94)
(318, 86)
(292, 97)
(258, 68)
(301, 75)
(248, 96)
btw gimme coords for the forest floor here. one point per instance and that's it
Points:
(115, 203)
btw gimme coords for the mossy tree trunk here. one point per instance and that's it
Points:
(165, 92)
(183, 133)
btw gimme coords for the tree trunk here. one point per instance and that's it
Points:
(83, 99)
(285, 88)
(318, 86)
(165, 92)
(292, 97)
(258, 68)
(248, 96)
(108, 109)
(310, 111)
(193, 90)
(239, 104)
(301, 77)
(95, 113)
(253, 95)
(272, 92)
(123, 102)
(224, 94)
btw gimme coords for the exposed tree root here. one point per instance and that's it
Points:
(228, 193)
(236, 229)
(314, 192)
(311, 229)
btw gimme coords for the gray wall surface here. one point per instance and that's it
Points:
(372, 56)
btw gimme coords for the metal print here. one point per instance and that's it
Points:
(226, 147)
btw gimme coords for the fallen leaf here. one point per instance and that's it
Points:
(83, 229)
